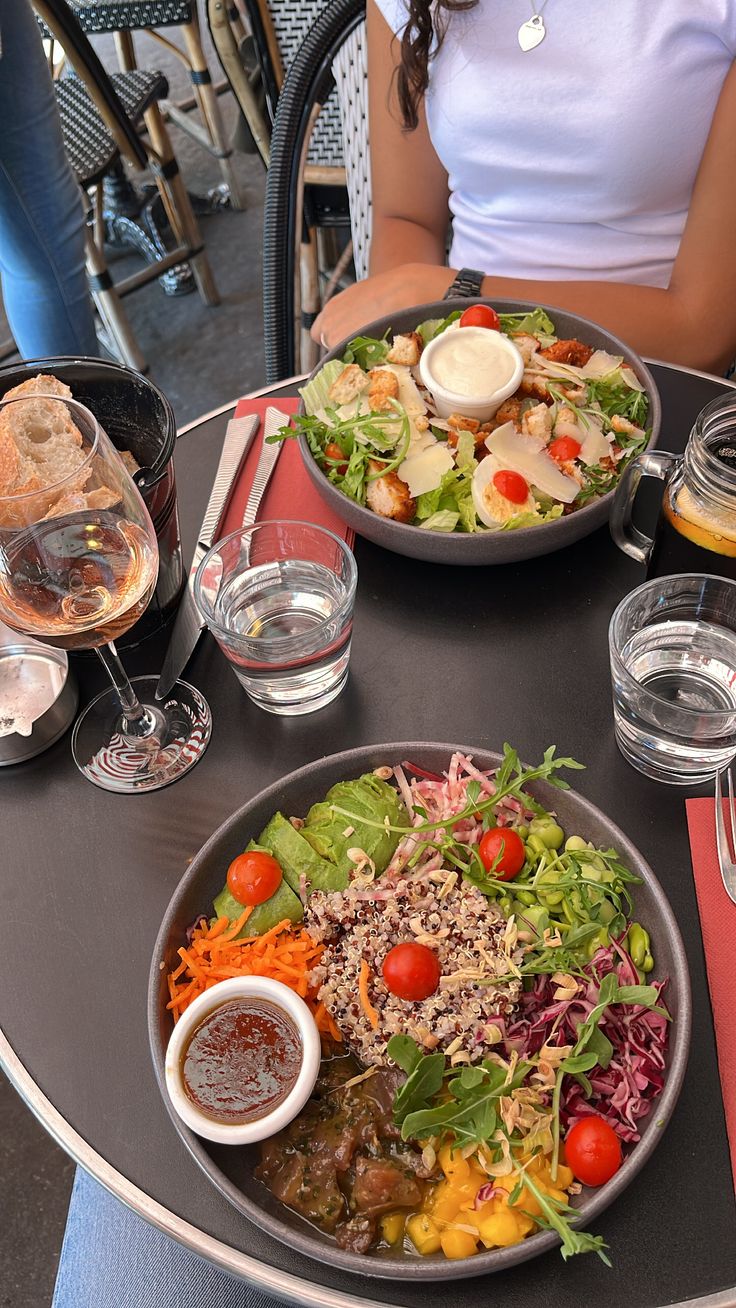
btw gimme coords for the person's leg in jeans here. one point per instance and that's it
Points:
(113, 1259)
(44, 284)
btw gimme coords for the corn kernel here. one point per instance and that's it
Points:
(499, 1229)
(392, 1227)
(423, 1233)
(458, 1244)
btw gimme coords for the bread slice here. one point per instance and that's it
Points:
(47, 441)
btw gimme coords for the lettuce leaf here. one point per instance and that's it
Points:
(315, 393)
(535, 323)
(432, 327)
(533, 519)
(443, 520)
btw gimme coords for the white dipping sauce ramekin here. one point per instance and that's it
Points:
(478, 406)
(246, 987)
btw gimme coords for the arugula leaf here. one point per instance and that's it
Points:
(535, 323)
(366, 351)
(424, 1076)
(469, 1112)
(555, 1218)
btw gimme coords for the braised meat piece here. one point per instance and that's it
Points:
(381, 1184)
(357, 1234)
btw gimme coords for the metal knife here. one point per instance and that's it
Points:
(189, 626)
(266, 463)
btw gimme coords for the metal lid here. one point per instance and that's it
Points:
(38, 697)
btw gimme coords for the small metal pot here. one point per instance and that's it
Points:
(38, 696)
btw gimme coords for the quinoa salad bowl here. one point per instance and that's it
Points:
(428, 495)
(495, 974)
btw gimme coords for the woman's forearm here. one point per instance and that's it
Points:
(397, 241)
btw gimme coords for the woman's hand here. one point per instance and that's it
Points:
(386, 292)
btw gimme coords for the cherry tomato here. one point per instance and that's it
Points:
(480, 315)
(411, 971)
(335, 451)
(593, 1151)
(511, 485)
(564, 448)
(509, 844)
(253, 877)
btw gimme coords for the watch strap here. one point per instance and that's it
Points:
(467, 284)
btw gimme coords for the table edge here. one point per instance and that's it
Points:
(282, 1285)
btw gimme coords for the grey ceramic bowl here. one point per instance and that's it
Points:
(231, 1169)
(482, 547)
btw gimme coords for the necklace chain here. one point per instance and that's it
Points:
(537, 12)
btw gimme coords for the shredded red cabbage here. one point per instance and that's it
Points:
(623, 1092)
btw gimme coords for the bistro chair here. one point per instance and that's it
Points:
(101, 123)
(124, 17)
(328, 74)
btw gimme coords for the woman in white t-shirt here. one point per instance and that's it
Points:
(594, 170)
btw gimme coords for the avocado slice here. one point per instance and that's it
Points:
(366, 797)
(297, 857)
(282, 904)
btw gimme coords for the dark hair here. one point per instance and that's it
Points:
(422, 36)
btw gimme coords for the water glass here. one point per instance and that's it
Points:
(673, 666)
(278, 597)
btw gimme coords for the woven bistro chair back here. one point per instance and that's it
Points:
(101, 115)
(329, 66)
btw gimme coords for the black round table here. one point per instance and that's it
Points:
(476, 657)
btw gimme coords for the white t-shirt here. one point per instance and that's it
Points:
(575, 160)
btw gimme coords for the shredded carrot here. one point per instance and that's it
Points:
(285, 953)
(368, 1009)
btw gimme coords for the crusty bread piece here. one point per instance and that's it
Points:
(131, 463)
(47, 441)
(80, 501)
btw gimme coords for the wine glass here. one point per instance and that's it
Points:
(78, 566)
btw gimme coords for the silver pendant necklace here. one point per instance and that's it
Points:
(533, 30)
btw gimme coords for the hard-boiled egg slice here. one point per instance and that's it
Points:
(492, 508)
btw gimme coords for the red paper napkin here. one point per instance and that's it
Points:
(290, 495)
(718, 923)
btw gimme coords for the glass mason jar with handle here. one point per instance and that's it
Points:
(696, 530)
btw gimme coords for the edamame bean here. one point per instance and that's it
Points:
(648, 963)
(522, 830)
(637, 943)
(525, 896)
(549, 832)
(536, 844)
(506, 905)
(574, 844)
(534, 916)
(598, 941)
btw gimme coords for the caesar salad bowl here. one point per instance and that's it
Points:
(481, 547)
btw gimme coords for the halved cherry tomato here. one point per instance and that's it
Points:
(509, 844)
(335, 451)
(564, 448)
(253, 877)
(411, 971)
(511, 485)
(593, 1151)
(480, 315)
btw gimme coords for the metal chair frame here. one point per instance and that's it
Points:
(150, 151)
(290, 285)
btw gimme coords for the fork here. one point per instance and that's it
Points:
(725, 861)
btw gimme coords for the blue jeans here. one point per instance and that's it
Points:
(44, 283)
(113, 1259)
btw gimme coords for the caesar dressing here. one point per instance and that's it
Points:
(474, 361)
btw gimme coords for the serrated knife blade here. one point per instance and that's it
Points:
(267, 460)
(189, 626)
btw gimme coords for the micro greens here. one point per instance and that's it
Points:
(555, 1218)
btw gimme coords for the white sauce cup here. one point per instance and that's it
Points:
(483, 404)
(246, 987)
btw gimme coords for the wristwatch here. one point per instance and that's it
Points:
(467, 284)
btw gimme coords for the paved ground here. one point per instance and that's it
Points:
(201, 358)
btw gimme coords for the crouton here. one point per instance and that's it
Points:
(570, 351)
(351, 383)
(406, 349)
(461, 423)
(509, 411)
(389, 496)
(538, 422)
(383, 387)
(621, 424)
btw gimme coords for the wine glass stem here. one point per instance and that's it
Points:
(137, 721)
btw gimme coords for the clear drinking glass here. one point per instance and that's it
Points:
(673, 666)
(278, 598)
(78, 566)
